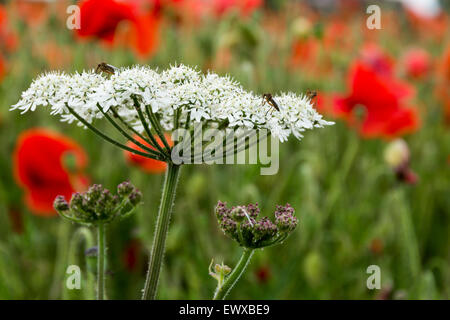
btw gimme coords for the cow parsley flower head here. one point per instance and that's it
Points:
(141, 101)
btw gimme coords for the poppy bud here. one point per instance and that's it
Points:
(396, 153)
(397, 156)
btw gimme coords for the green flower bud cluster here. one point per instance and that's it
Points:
(98, 205)
(219, 272)
(241, 223)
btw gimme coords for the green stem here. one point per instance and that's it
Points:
(233, 278)
(81, 236)
(101, 262)
(61, 258)
(110, 140)
(162, 226)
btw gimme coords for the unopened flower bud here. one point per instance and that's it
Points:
(238, 213)
(125, 188)
(60, 204)
(221, 210)
(94, 192)
(396, 154)
(135, 197)
(301, 27)
(264, 229)
(76, 200)
(253, 210)
(224, 269)
(286, 222)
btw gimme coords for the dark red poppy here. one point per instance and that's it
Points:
(39, 168)
(138, 26)
(131, 255)
(263, 274)
(146, 164)
(417, 63)
(376, 246)
(381, 100)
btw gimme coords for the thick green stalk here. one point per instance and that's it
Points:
(101, 262)
(233, 278)
(162, 226)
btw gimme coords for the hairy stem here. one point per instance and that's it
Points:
(233, 278)
(101, 262)
(162, 226)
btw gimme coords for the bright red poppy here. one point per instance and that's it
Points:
(137, 26)
(146, 164)
(381, 99)
(39, 168)
(417, 63)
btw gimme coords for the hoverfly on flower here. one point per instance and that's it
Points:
(267, 98)
(106, 68)
(311, 94)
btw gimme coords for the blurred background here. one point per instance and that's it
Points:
(372, 189)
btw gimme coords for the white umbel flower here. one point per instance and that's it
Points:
(179, 91)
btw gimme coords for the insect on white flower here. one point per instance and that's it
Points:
(141, 98)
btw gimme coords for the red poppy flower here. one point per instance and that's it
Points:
(102, 18)
(417, 63)
(305, 52)
(8, 39)
(146, 164)
(131, 255)
(38, 168)
(245, 7)
(377, 59)
(382, 99)
(2, 68)
(34, 13)
(443, 86)
(263, 274)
